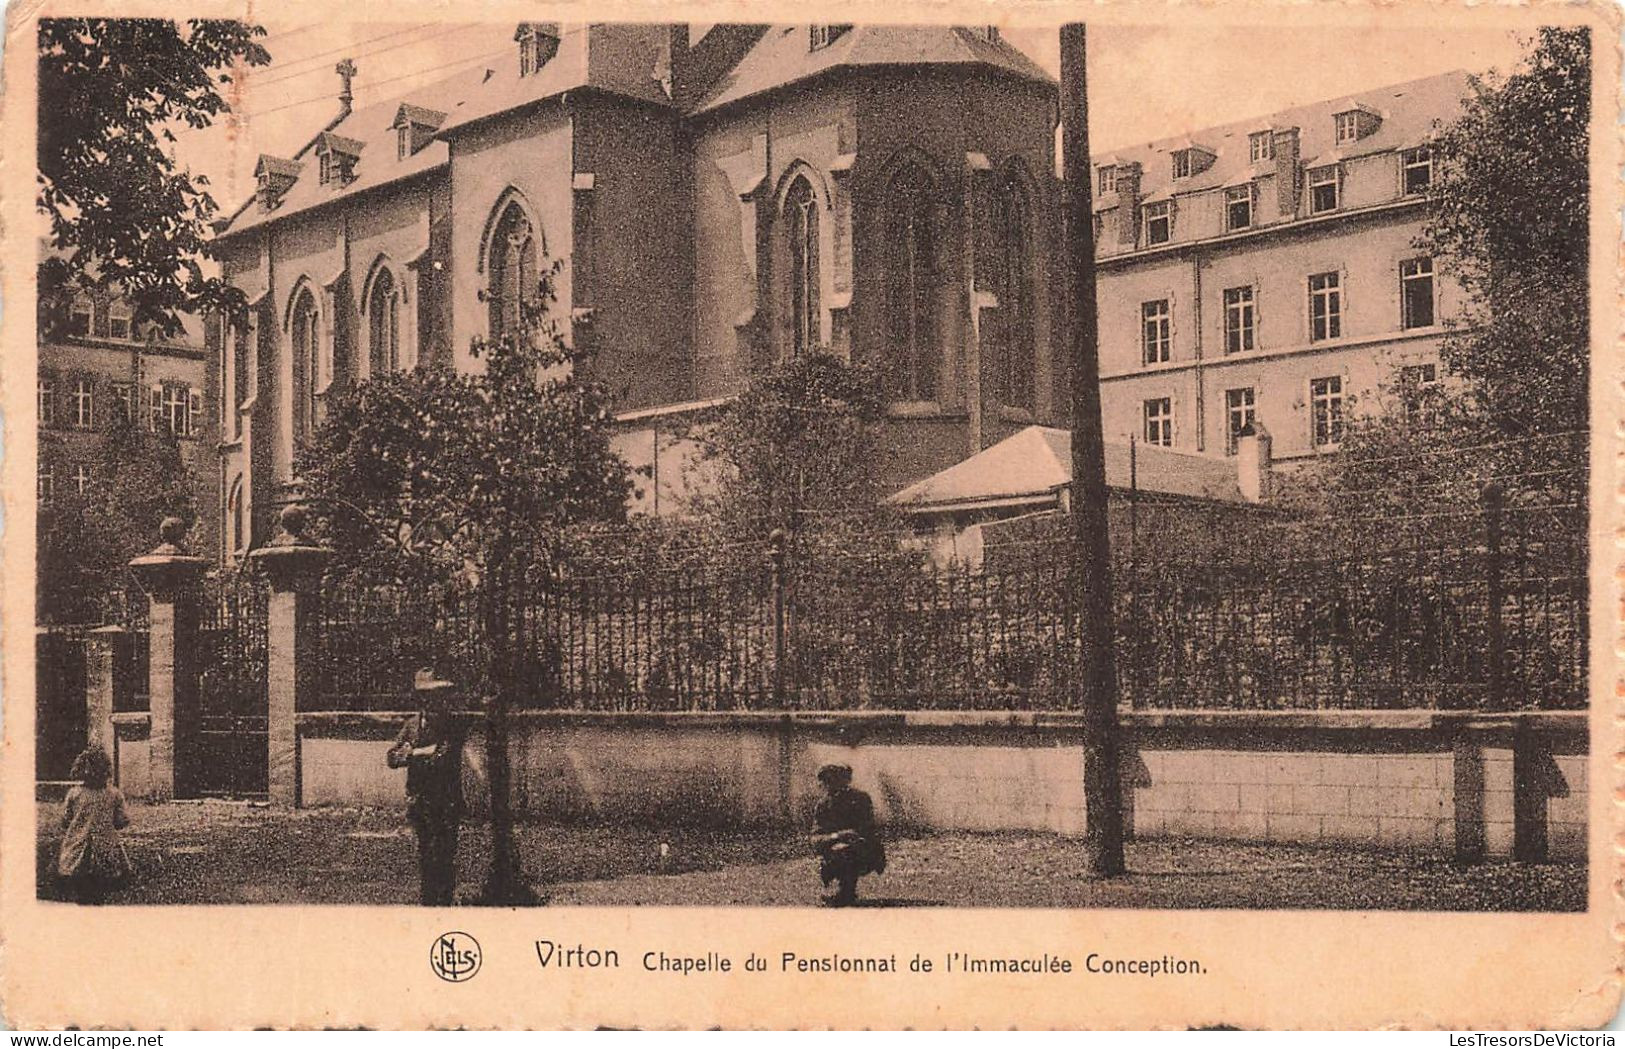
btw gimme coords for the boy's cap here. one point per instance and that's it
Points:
(835, 772)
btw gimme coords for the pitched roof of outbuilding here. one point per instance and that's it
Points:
(782, 57)
(1032, 463)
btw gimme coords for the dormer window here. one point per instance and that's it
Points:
(538, 43)
(274, 176)
(1108, 179)
(337, 157)
(1417, 165)
(1238, 208)
(1260, 147)
(1325, 184)
(1193, 160)
(825, 35)
(118, 320)
(1355, 123)
(80, 314)
(1159, 222)
(415, 128)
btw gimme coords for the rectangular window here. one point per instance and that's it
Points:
(1417, 168)
(1416, 293)
(124, 400)
(1325, 307)
(1238, 319)
(1419, 374)
(1238, 410)
(1260, 146)
(45, 484)
(1108, 179)
(175, 415)
(46, 389)
(118, 321)
(1156, 332)
(1326, 410)
(1238, 207)
(1182, 163)
(1324, 186)
(1348, 127)
(1414, 382)
(194, 412)
(1159, 222)
(81, 478)
(84, 403)
(80, 315)
(1159, 422)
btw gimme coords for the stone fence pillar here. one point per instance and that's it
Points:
(294, 570)
(173, 581)
(102, 650)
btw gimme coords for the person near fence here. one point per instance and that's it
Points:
(91, 860)
(845, 837)
(430, 748)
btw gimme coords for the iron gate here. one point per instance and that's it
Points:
(229, 758)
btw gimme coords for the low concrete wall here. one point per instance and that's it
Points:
(1390, 778)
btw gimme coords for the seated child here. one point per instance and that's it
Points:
(845, 837)
(91, 860)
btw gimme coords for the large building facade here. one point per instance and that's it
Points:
(716, 202)
(1267, 273)
(725, 197)
(96, 364)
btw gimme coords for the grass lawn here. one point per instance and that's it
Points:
(228, 853)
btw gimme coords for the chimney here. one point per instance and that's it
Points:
(1128, 206)
(1287, 172)
(346, 71)
(1253, 463)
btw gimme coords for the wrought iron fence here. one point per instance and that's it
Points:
(1466, 603)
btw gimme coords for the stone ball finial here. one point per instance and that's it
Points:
(293, 520)
(172, 530)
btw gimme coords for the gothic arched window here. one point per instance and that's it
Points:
(1014, 287)
(801, 226)
(234, 514)
(305, 337)
(913, 355)
(384, 324)
(511, 268)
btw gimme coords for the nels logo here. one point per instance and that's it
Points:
(455, 956)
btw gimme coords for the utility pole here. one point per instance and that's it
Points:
(1091, 578)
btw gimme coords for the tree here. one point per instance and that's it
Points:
(799, 450)
(1509, 217)
(86, 540)
(465, 486)
(111, 92)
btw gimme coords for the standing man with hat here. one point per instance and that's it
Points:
(430, 748)
(845, 837)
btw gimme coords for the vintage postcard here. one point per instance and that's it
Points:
(963, 514)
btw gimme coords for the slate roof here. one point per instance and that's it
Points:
(372, 129)
(1029, 465)
(631, 63)
(1409, 113)
(783, 57)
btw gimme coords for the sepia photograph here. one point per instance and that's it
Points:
(876, 465)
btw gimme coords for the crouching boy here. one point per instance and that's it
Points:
(845, 837)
